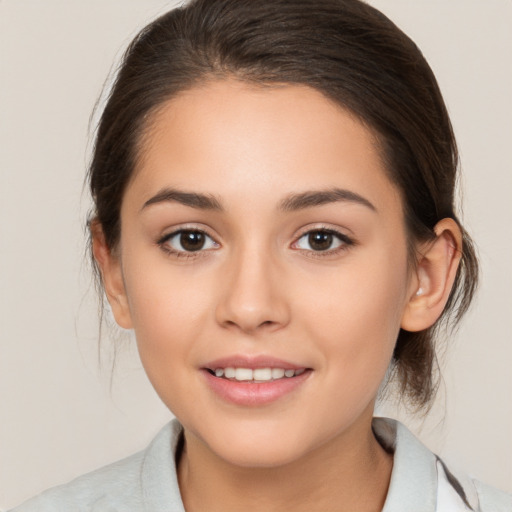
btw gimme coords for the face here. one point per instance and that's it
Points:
(263, 261)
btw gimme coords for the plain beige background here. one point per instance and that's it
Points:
(59, 415)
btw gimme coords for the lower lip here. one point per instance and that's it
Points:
(254, 393)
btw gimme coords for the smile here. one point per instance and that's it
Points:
(256, 375)
(252, 384)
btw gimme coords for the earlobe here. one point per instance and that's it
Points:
(111, 276)
(436, 269)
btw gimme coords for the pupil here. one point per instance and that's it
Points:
(192, 240)
(320, 240)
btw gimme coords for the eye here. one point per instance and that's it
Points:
(322, 240)
(186, 241)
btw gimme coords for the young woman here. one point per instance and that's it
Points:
(274, 218)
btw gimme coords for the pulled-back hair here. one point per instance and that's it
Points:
(345, 49)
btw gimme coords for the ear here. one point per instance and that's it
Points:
(111, 275)
(435, 273)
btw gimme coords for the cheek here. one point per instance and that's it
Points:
(355, 324)
(162, 296)
(168, 318)
(356, 311)
(168, 313)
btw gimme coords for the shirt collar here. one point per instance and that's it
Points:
(413, 484)
(159, 478)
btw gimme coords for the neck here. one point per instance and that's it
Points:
(350, 472)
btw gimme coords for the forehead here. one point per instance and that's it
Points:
(228, 137)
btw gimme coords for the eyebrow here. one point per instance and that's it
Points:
(318, 198)
(293, 202)
(192, 199)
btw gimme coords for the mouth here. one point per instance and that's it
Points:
(248, 382)
(255, 375)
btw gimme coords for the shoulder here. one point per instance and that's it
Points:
(116, 485)
(475, 495)
(420, 476)
(121, 486)
(491, 499)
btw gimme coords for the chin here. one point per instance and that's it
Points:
(264, 444)
(255, 455)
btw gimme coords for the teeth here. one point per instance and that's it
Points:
(258, 374)
(229, 373)
(243, 374)
(277, 373)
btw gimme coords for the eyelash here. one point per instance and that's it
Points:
(163, 243)
(345, 243)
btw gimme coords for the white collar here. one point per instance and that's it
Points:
(419, 480)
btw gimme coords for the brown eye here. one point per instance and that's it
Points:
(320, 240)
(323, 240)
(192, 240)
(187, 240)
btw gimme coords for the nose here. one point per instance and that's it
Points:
(253, 296)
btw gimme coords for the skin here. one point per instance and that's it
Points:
(259, 288)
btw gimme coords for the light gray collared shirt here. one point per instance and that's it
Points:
(147, 481)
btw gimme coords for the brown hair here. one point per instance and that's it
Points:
(345, 49)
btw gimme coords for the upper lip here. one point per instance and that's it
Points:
(252, 362)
